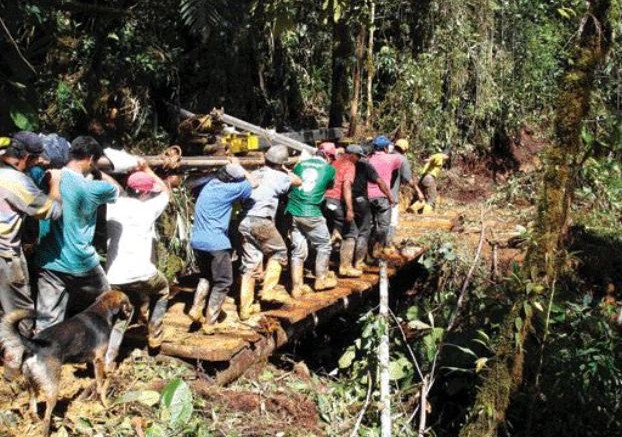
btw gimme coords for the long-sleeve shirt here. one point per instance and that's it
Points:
(19, 197)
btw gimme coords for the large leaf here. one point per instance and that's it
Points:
(347, 358)
(23, 118)
(176, 403)
(145, 397)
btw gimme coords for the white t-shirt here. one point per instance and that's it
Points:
(131, 230)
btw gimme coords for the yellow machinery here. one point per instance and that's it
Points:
(240, 142)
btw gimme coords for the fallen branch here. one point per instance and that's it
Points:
(430, 379)
(17, 49)
(467, 281)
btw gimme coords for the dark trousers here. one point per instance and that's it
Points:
(215, 266)
(381, 215)
(363, 219)
(59, 291)
(336, 215)
(150, 296)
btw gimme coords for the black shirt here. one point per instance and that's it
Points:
(365, 172)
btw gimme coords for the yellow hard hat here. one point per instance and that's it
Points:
(402, 144)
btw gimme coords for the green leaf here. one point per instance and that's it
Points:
(23, 120)
(418, 324)
(518, 323)
(145, 397)
(84, 425)
(176, 403)
(347, 358)
(155, 430)
(463, 349)
(396, 371)
(412, 313)
(430, 342)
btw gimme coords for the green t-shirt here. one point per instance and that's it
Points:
(317, 176)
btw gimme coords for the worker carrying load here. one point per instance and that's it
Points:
(260, 237)
(430, 173)
(308, 223)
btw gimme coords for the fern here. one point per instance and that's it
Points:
(201, 16)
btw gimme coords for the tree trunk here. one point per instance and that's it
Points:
(339, 85)
(543, 261)
(370, 63)
(356, 82)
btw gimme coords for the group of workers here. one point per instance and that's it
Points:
(343, 197)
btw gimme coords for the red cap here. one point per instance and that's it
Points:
(328, 148)
(143, 183)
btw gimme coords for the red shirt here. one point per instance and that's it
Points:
(385, 164)
(345, 173)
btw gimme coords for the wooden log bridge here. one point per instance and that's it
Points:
(234, 346)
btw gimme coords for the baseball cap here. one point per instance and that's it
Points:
(56, 150)
(328, 148)
(32, 142)
(143, 183)
(381, 142)
(402, 143)
(355, 149)
(235, 171)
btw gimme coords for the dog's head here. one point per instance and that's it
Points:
(116, 304)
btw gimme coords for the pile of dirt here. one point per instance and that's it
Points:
(472, 178)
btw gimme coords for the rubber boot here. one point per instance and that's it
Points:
(346, 255)
(198, 306)
(269, 292)
(324, 279)
(359, 257)
(214, 308)
(247, 297)
(299, 288)
(156, 323)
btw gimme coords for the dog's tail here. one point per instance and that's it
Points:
(10, 337)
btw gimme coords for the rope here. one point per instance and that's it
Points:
(171, 158)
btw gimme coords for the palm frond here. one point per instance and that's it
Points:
(202, 16)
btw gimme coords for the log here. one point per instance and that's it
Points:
(197, 162)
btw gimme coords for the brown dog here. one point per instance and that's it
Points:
(80, 339)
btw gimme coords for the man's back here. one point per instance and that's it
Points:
(345, 171)
(19, 196)
(385, 164)
(131, 229)
(66, 244)
(317, 176)
(213, 212)
(265, 197)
